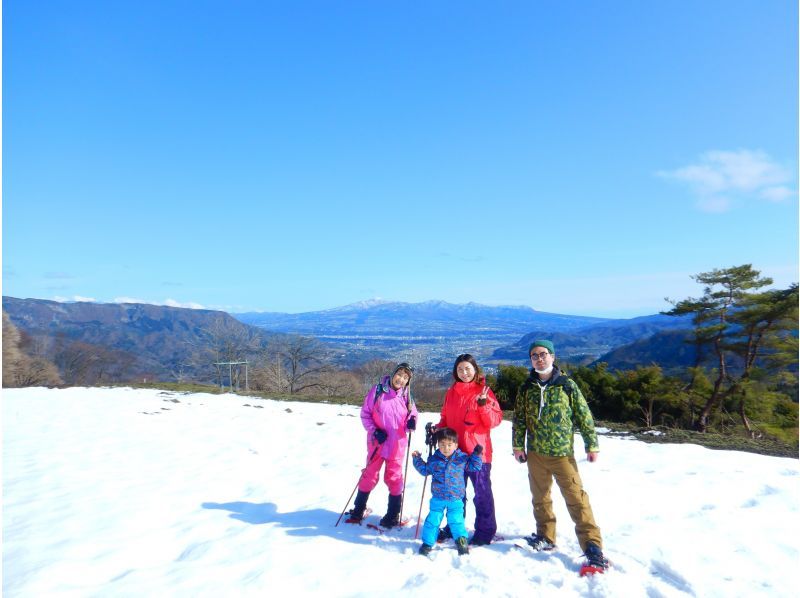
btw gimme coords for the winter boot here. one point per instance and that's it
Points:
(461, 545)
(595, 557)
(359, 507)
(392, 517)
(539, 543)
(475, 541)
(425, 550)
(444, 535)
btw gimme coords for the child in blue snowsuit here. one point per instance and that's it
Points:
(447, 466)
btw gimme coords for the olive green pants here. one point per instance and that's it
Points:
(541, 471)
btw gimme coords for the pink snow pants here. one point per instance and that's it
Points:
(392, 475)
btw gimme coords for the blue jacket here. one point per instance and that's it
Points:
(448, 474)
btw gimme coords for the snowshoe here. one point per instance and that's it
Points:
(444, 535)
(354, 517)
(539, 543)
(595, 561)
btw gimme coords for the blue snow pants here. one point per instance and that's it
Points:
(455, 519)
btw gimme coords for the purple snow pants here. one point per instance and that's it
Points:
(485, 522)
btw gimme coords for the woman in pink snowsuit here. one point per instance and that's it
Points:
(388, 415)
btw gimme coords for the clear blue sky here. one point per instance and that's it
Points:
(577, 157)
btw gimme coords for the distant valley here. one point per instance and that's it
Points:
(167, 342)
(434, 332)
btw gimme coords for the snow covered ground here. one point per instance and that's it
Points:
(122, 492)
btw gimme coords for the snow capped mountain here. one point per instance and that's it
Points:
(377, 316)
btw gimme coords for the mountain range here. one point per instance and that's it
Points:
(426, 319)
(435, 331)
(597, 340)
(158, 341)
(150, 341)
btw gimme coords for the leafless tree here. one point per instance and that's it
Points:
(293, 364)
(20, 369)
(223, 341)
(37, 371)
(427, 389)
(75, 361)
(340, 384)
(371, 372)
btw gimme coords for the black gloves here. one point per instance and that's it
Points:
(478, 450)
(379, 435)
(411, 424)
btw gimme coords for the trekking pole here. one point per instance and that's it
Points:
(369, 462)
(405, 476)
(409, 404)
(430, 440)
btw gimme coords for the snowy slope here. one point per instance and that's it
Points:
(121, 492)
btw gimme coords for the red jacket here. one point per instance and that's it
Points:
(471, 422)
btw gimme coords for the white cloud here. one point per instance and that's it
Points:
(776, 193)
(722, 175)
(74, 299)
(190, 305)
(166, 302)
(131, 300)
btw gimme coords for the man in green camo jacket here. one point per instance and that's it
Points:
(549, 407)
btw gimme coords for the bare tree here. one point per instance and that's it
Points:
(428, 389)
(75, 361)
(37, 371)
(223, 341)
(12, 356)
(371, 372)
(293, 364)
(340, 384)
(268, 373)
(20, 369)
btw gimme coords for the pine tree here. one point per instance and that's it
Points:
(741, 327)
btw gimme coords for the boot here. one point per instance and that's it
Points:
(539, 543)
(595, 558)
(392, 517)
(359, 507)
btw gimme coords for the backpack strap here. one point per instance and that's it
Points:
(379, 390)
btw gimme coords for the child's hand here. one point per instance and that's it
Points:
(415, 454)
(478, 450)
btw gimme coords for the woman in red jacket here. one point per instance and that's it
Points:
(471, 409)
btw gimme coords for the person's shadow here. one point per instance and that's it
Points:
(310, 523)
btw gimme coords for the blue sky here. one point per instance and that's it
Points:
(577, 157)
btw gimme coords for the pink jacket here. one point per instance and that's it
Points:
(389, 412)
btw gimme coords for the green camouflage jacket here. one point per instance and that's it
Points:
(550, 415)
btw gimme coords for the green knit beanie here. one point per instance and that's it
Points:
(542, 343)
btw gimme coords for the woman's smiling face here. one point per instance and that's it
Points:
(465, 371)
